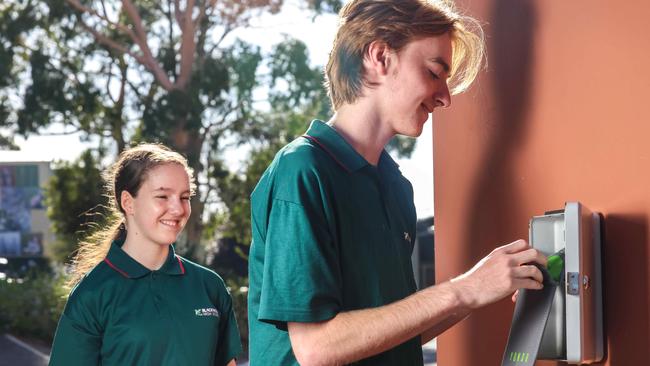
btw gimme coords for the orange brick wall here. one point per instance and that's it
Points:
(562, 113)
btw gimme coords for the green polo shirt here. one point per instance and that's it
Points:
(122, 313)
(331, 233)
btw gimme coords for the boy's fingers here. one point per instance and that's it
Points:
(514, 247)
(530, 256)
(529, 271)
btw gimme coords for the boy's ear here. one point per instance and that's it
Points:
(126, 201)
(377, 60)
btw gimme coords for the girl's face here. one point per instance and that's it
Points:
(159, 211)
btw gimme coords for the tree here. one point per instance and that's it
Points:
(130, 70)
(135, 70)
(75, 203)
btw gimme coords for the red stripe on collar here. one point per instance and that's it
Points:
(115, 268)
(181, 264)
(315, 140)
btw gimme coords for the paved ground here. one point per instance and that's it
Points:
(17, 353)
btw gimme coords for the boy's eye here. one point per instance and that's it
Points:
(433, 75)
(161, 197)
(185, 198)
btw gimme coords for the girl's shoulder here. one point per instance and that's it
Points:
(209, 280)
(89, 292)
(196, 270)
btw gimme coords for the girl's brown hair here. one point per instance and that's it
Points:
(126, 174)
(397, 22)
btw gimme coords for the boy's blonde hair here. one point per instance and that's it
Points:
(397, 22)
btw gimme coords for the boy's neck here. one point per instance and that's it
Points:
(361, 125)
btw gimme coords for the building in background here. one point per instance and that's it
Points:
(24, 227)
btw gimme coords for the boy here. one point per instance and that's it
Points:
(333, 219)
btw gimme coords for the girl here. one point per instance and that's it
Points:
(134, 301)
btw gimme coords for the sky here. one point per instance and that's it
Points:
(266, 31)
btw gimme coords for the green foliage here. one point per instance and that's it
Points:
(296, 97)
(302, 85)
(122, 74)
(47, 77)
(75, 204)
(321, 6)
(33, 305)
(243, 61)
(6, 143)
(88, 66)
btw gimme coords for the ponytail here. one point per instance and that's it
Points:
(94, 248)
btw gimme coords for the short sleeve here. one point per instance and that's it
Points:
(77, 340)
(301, 280)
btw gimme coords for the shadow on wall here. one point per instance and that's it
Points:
(510, 62)
(627, 311)
(494, 198)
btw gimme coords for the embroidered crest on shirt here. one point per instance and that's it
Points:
(407, 237)
(206, 312)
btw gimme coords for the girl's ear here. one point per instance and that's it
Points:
(126, 201)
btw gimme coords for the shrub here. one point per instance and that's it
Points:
(31, 306)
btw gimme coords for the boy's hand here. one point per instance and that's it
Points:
(501, 273)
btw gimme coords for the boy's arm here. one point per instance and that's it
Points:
(355, 335)
(442, 326)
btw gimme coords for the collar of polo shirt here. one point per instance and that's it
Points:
(327, 138)
(128, 267)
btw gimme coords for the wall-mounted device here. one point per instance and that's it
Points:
(564, 320)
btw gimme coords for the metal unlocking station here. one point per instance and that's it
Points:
(564, 320)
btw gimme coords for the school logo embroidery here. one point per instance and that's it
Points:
(407, 237)
(206, 312)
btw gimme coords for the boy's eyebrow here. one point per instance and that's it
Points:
(442, 62)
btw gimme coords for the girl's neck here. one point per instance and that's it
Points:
(150, 255)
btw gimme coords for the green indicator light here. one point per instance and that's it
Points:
(518, 357)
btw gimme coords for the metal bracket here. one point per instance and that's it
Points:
(573, 283)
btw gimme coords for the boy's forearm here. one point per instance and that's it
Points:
(441, 327)
(355, 335)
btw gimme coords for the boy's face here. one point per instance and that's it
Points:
(416, 83)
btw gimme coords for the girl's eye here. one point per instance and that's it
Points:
(185, 198)
(433, 75)
(162, 197)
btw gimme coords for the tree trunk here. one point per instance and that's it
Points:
(189, 144)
